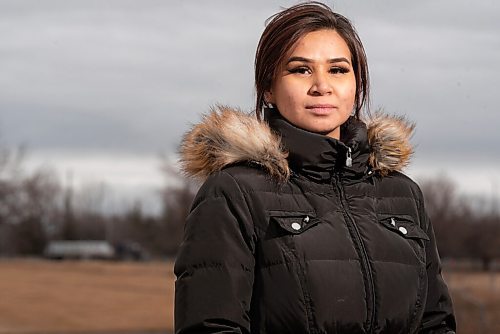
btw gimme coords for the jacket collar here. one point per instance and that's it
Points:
(228, 136)
(318, 156)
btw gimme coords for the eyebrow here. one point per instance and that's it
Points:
(307, 60)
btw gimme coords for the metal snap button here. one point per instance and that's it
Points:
(403, 230)
(296, 226)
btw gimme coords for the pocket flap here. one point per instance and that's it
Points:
(404, 225)
(295, 224)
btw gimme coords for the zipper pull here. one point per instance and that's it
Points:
(348, 160)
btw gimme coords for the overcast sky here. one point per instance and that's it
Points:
(101, 88)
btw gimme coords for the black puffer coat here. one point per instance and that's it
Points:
(329, 239)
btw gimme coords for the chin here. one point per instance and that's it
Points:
(323, 127)
(320, 130)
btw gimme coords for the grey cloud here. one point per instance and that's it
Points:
(132, 75)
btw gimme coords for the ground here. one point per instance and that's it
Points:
(41, 296)
(92, 296)
(476, 298)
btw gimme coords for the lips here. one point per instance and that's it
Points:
(320, 106)
(321, 109)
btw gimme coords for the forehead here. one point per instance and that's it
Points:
(320, 44)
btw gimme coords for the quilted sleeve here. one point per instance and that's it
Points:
(215, 264)
(438, 317)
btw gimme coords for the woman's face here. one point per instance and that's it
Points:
(315, 87)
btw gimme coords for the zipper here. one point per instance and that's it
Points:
(348, 159)
(364, 256)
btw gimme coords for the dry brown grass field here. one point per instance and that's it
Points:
(476, 297)
(39, 296)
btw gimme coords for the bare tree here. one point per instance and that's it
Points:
(30, 207)
(482, 240)
(461, 230)
(28, 204)
(446, 213)
(177, 198)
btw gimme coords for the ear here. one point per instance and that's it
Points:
(268, 97)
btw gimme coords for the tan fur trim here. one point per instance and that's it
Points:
(227, 136)
(389, 139)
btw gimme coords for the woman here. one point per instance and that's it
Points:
(305, 223)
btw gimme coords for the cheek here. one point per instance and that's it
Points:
(288, 96)
(347, 100)
(353, 94)
(350, 95)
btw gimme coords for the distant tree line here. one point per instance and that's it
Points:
(462, 230)
(35, 209)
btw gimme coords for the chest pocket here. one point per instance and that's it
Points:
(296, 225)
(283, 224)
(284, 229)
(406, 227)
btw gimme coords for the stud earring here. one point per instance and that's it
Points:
(269, 104)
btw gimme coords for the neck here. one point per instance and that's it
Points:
(335, 133)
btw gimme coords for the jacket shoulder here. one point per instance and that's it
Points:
(221, 205)
(397, 193)
(234, 181)
(397, 184)
(251, 177)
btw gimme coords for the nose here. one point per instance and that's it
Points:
(320, 85)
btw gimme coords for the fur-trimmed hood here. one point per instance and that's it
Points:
(227, 136)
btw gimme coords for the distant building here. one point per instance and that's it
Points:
(79, 249)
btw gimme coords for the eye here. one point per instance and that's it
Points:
(300, 70)
(339, 70)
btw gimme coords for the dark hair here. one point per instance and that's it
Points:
(285, 28)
